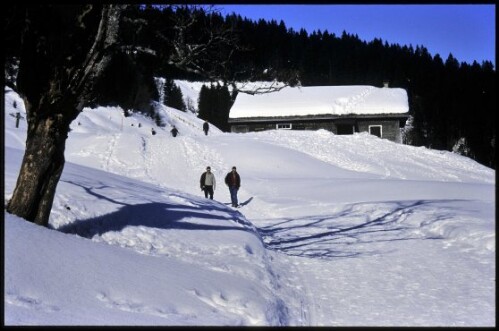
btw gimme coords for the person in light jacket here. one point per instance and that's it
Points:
(233, 181)
(208, 183)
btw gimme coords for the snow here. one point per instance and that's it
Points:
(333, 230)
(321, 100)
(190, 90)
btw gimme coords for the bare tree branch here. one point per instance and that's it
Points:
(100, 54)
(209, 54)
(248, 88)
(206, 54)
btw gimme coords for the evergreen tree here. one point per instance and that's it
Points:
(204, 108)
(222, 107)
(214, 105)
(448, 99)
(173, 96)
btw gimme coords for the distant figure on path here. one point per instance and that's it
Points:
(208, 183)
(18, 118)
(206, 127)
(233, 181)
(174, 131)
(153, 132)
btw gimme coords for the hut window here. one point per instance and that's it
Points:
(345, 128)
(283, 126)
(240, 128)
(376, 130)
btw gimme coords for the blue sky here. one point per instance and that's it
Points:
(465, 30)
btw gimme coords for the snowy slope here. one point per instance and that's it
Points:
(333, 231)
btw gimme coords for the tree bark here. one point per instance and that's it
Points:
(41, 169)
(58, 69)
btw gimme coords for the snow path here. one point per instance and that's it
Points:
(349, 248)
(337, 236)
(333, 230)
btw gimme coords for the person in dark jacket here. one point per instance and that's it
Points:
(233, 181)
(206, 127)
(174, 131)
(208, 183)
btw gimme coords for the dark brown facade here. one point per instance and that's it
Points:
(385, 126)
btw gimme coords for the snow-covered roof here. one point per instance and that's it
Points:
(322, 100)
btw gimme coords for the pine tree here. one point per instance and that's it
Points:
(203, 104)
(214, 105)
(223, 106)
(173, 96)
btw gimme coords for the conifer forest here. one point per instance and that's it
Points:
(452, 104)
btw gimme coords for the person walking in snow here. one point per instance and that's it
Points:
(208, 183)
(233, 181)
(206, 127)
(174, 131)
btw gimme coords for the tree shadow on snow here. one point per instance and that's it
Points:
(197, 215)
(355, 230)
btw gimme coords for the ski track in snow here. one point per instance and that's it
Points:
(296, 246)
(128, 305)
(354, 229)
(30, 302)
(159, 153)
(349, 230)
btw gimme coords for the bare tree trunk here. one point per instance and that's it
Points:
(41, 169)
(56, 81)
